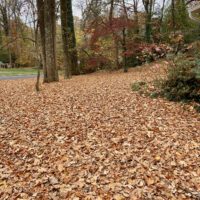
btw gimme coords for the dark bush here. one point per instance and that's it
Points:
(183, 80)
(4, 56)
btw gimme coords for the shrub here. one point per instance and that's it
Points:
(138, 53)
(93, 63)
(4, 56)
(137, 86)
(183, 80)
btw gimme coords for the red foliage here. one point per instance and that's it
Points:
(95, 63)
(146, 52)
(110, 27)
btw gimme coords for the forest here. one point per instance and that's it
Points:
(106, 34)
(100, 99)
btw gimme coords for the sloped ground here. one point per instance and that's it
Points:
(91, 137)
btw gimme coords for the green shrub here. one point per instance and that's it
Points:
(137, 86)
(183, 80)
(4, 56)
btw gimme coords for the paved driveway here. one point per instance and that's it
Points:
(17, 77)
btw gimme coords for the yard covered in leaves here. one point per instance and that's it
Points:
(92, 137)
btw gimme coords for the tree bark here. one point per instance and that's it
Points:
(173, 16)
(115, 39)
(135, 9)
(124, 38)
(148, 28)
(6, 26)
(148, 5)
(50, 43)
(69, 39)
(124, 50)
(67, 61)
(162, 13)
(40, 9)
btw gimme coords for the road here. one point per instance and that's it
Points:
(17, 77)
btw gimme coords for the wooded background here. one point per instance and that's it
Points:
(109, 34)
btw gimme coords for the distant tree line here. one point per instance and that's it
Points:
(110, 33)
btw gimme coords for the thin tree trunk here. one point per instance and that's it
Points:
(135, 9)
(1, 37)
(148, 28)
(40, 9)
(116, 53)
(162, 13)
(37, 55)
(72, 39)
(173, 16)
(124, 39)
(115, 40)
(136, 22)
(148, 5)
(124, 50)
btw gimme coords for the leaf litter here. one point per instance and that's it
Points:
(91, 137)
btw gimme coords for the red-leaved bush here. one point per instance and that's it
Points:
(147, 52)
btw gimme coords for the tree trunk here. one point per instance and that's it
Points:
(148, 5)
(65, 36)
(72, 39)
(173, 16)
(50, 43)
(1, 37)
(124, 50)
(116, 53)
(162, 13)
(6, 26)
(135, 9)
(40, 10)
(69, 39)
(148, 28)
(115, 39)
(124, 38)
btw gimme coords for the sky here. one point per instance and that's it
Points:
(76, 10)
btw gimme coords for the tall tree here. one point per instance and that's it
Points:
(5, 21)
(124, 37)
(41, 24)
(115, 39)
(148, 6)
(177, 16)
(162, 13)
(69, 39)
(50, 39)
(65, 36)
(135, 10)
(173, 15)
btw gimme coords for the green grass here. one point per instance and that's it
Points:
(17, 71)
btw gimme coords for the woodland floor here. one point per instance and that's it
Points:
(92, 137)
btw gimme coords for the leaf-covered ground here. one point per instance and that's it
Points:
(91, 137)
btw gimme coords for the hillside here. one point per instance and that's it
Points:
(92, 137)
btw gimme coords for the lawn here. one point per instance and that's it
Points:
(92, 137)
(17, 71)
